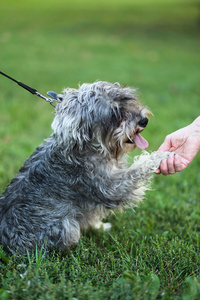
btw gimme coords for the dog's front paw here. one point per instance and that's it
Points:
(156, 158)
(146, 164)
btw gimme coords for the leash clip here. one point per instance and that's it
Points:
(34, 91)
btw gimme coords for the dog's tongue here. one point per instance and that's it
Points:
(140, 142)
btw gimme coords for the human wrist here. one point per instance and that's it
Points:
(196, 122)
(196, 130)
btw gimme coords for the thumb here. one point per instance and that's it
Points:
(166, 145)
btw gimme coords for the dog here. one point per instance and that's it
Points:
(79, 173)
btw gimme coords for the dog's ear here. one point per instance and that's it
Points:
(73, 120)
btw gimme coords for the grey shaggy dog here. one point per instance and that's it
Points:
(79, 173)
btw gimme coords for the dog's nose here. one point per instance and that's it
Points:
(143, 122)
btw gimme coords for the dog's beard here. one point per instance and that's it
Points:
(127, 136)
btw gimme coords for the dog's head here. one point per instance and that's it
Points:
(102, 117)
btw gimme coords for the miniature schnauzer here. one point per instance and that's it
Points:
(79, 173)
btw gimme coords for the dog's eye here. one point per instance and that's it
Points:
(143, 122)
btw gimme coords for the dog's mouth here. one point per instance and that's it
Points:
(132, 137)
(139, 141)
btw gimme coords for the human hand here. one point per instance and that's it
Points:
(185, 144)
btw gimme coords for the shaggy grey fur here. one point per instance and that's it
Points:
(79, 173)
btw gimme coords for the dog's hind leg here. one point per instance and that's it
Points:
(104, 226)
(70, 232)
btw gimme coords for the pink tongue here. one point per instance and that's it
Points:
(140, 142)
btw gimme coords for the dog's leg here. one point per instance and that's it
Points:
(139, 174)
(70, 232)
(123, 186)
(146, 165)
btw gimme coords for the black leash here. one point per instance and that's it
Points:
(33, 91)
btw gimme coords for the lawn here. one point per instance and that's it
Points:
(152, 253)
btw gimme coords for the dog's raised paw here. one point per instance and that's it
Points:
(157, 157)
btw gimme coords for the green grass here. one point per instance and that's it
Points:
(152, 253)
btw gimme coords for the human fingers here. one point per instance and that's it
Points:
(179, 166)
(171, 164)
(157, 171)
(167, 166)
(164, 167)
